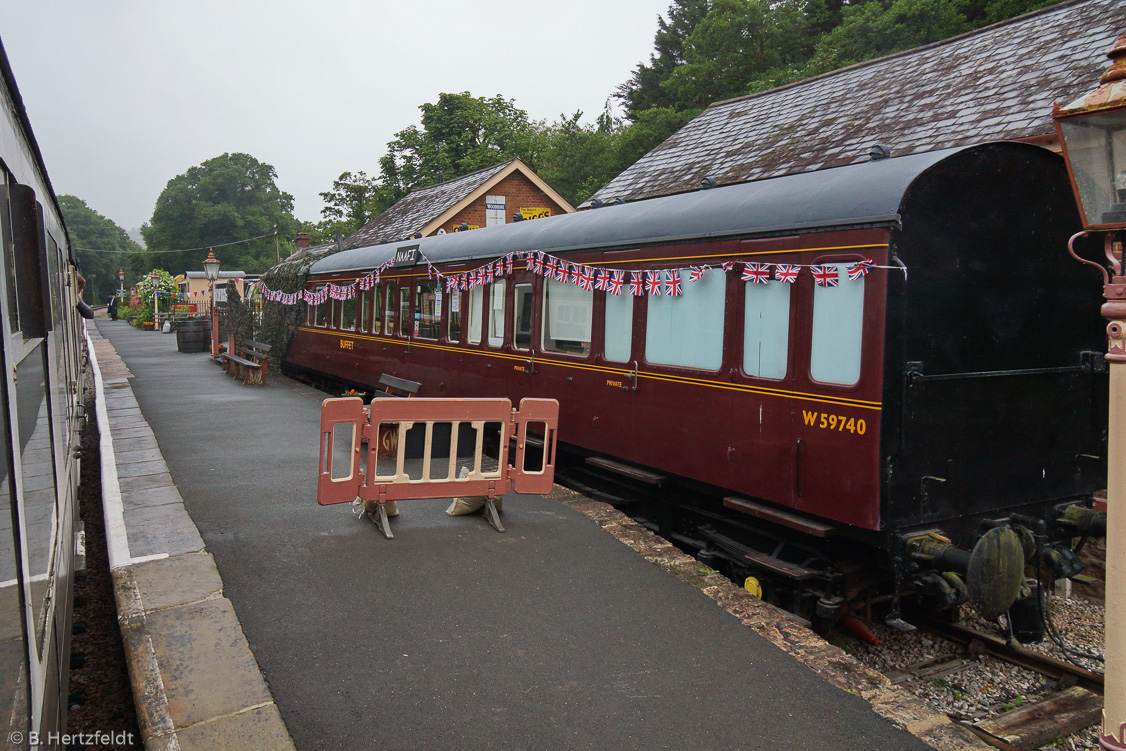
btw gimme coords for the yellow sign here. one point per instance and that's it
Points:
(535, 213)
(345, 344)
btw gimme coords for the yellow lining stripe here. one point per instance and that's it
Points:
(764, 391)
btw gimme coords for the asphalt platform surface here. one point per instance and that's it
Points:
(551, 636)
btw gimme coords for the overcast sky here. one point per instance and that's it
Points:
(125, 94)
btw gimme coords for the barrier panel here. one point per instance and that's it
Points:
(402, 449)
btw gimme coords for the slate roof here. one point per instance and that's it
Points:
(997, 83)
(419, 207)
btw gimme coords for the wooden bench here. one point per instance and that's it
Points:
(250, 363)
(394, 386)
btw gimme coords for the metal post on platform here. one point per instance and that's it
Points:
(1092, 131)
(211, 270)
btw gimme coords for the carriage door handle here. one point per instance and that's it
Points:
(633, 375)
(531, 363)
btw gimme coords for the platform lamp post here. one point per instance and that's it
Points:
(211, 270)
(121, 282)
(1092, 130)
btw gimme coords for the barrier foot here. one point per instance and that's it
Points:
(491, 515)
(379, 516)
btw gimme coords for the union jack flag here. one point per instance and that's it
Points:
(672, 283)
(549, 267)
(451, 283)
(508, 263)
(759, 273)
(617, 280)
(489, 274)
(539, 262)
(697, 273)
(586, 278)
(500, 268)
(430, 270)
(727, 265)
(561, 272)
(786, 272)
(463, 281)
(636, 286)
(861, 269)
(602, 281)
(826, 276)
(653, 283)
(480, 277)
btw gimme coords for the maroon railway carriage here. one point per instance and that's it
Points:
(953, 383)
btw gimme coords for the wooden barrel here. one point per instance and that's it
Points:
(193, 335)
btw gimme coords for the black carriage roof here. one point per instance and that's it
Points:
(860, 194)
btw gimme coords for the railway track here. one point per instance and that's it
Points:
(1071, 705)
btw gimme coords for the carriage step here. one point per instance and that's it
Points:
(636, 473)
(784, 518)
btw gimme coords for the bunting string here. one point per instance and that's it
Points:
(653, 283)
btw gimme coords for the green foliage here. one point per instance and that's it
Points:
(879, 27)
(460, 134)
(711, 51)
(279, 322)
(157, 281)
(643, 91)
(229, 198)
(89, 229)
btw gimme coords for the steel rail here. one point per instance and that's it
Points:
(1062, 671)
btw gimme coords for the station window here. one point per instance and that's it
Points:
(321, 314)
(405, 328)
(389, 309)
(309, 314)
(347, 314)
(567, 312)
(838, 322)
(766, 329)
(496, 312)
(619, 328)
(688, 330)
(522, 316)
(476, 310)
(427, 309)
(453, 332)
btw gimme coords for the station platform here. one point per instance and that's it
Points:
(310, 630)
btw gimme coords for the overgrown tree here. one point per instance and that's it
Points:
(226, 199)
(460, 134)
(643, 91)
(103, 248)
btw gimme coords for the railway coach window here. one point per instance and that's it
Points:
(405, 311)
(427, 309)
(362, 306)
(522, 316)
(619, 328)
(496, 313)
(320, 315)
(476, 298)
(453, 332)
(838, 321)
(389, 309)
(688, 330)
(567, 313)
(766, 329)
(348, 315)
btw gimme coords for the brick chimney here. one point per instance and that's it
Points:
(302, 240)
